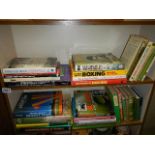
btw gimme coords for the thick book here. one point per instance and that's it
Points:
(97, 82)
(133, 51)
(92, 103)
(39, 104)
(108, 61)
(141, 63)
(96, 73)
(31, 65)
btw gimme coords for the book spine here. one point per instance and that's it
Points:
(28, 70)
(28, 114)
(114, 100)
(98, 77)
(86, 67)
(141, 61)
(148, 62)
(99, 73)
(94, 82)
(31, 79)
(32, 125)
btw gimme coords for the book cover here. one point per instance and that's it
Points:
(31, 65)
(132, 52)
(101, 61)
(39, 104)
(92, 103)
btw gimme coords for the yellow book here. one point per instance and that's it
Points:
(31, 125)
(97, 73)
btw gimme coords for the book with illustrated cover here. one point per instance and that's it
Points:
(31, 65)
(92, 103)
(39, 104)
(84, 62)
(133, 51)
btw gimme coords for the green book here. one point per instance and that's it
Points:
(114, 99)
(147, 63)
(123, 100)
(131, 104)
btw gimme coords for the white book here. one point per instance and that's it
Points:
(31, 65)
(147, 52)
(98, 77)
(132, 51)
(31, 79)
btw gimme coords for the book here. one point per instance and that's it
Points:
(92, 103)
(39, 104)
(34, 125)
(143, 59)
(96, 72)
(114, 99)
(97, 82)
(83, 62)
(133, 51)
(108, 77)
(65, 75)
(31, 65)
(147, 64)
(27, 79)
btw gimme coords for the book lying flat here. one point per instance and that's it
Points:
(31, 65)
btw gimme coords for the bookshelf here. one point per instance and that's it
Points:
(10, 34)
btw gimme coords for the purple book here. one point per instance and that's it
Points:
(65, 76)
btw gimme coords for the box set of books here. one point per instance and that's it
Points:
(91, 69)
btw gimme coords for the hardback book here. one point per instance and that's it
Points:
(97, 82)
(133, 51)
(96, 73)
(31, 65)
(92, 103)
(114, 99)
(84, 62)
(65, 75)
(39, 104)
(142, 61)
(27, 79)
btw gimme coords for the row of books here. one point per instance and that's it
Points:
(42, 109)
(88, 107)
(97, 69)
(127, 102)
(139, 58)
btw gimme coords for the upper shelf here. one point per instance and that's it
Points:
(77, 21)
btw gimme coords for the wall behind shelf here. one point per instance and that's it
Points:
(61, 41)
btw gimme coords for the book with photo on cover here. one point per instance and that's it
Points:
(102, 61)
(31, 65)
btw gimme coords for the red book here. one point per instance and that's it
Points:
(97, 82)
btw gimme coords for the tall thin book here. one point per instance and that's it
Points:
(133, 51)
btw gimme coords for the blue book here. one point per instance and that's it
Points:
(34, 104)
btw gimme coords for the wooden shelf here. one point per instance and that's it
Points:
(80, 86)
(77, 21)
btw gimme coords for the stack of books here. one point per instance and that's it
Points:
(31, 71)
(92, 107)
(42, 109)
(127, 103)
(138, 57)
(90, 69)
